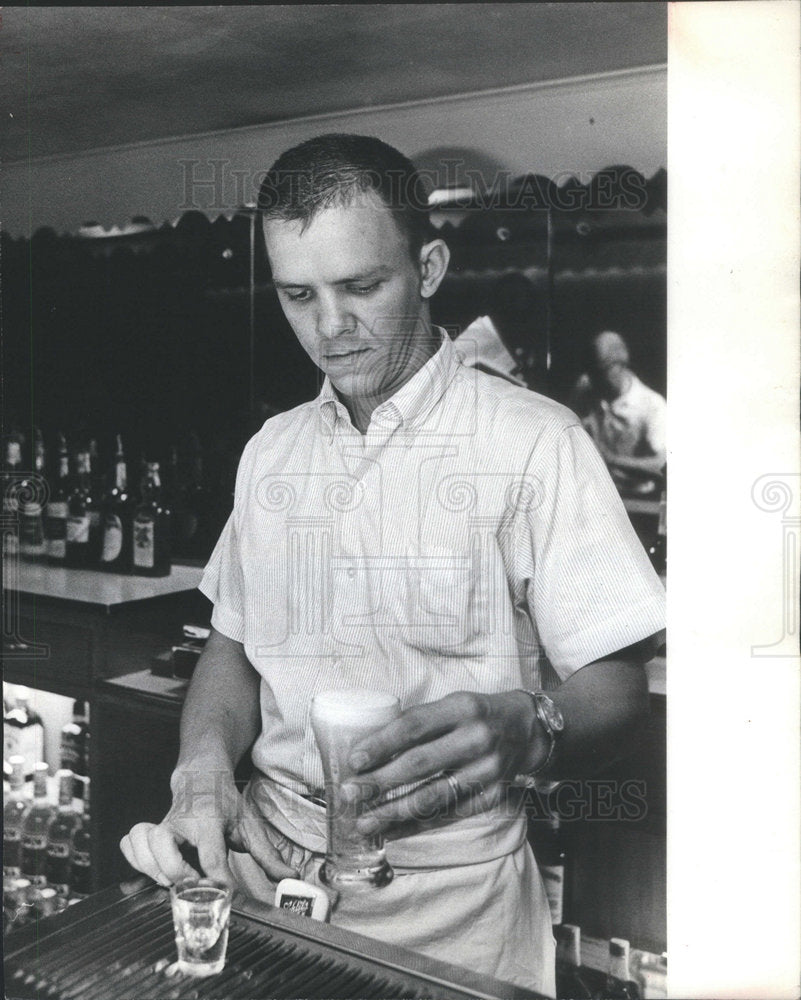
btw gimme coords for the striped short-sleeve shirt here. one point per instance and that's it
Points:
(470, 540)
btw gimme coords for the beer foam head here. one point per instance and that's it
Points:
(351, 706)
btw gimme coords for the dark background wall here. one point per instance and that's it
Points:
(148, 335)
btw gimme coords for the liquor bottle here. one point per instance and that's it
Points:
(34, 830)
(81, 507)
(657, 552)
(549, 850)
(570, 984)
(96, 476)
(173, 489)
(73, 744)
(31, 494)
(23, 732)
(151, 535)
(57, 510)
(14, 812)
(81, 869)
(117, 550)
(619, 984)
(59, 836)
(12, 468)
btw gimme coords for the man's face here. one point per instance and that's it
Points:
(609, 378)
(353, 295)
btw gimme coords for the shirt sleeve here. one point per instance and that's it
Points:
(223, 584)
(589, 585)
(655, 430)
(223, 581)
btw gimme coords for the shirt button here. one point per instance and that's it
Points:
(351, 572)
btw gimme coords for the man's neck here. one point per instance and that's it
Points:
(361, 408)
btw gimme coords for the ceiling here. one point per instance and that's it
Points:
(78, 78)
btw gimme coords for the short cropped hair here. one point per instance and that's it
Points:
(331, 170)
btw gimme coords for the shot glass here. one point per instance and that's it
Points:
(201, 908)
(340, 719)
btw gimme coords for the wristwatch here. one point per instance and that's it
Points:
(553, 722)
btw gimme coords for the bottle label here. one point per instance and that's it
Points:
(31, 531)
(81, 859)
(144, 544)
(62, 889)
(553, 877)
(58, 850)
(78, 529)
(56, 516)
(12, 835)
(112, 538)
(70, 754)
(12, 871)
(34, 842)
(57, 548)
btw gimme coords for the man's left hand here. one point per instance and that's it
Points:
(466, 748)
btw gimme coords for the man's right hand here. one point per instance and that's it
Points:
(210, 815)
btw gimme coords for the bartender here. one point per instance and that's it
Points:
(422, 528)
(623, 416)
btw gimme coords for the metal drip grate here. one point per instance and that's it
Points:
(118, 947)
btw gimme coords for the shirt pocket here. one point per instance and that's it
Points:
(441, 604)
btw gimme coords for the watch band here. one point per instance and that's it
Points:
(543, 765)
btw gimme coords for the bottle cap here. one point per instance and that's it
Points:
(618, 948)
(17, 776)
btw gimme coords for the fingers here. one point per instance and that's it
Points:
(415, 726)
(213, 854)
(458, 748)
(453, 795)
(251, 834)
(153, 850)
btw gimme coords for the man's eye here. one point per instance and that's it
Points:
(301, 296)
(364, 289)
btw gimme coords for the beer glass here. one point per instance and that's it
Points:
(201, 908)
(340, 719)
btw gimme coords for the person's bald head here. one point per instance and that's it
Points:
(609, 348)
(608, 364)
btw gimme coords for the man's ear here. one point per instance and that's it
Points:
(434, 257)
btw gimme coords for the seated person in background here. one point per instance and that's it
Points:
(625, 418)
(508, 341)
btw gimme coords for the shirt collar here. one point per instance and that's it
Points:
(412, 403)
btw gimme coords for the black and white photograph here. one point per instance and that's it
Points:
(345, 348)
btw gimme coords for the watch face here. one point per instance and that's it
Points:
(552, 715)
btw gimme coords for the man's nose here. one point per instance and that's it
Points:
(333, 319)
